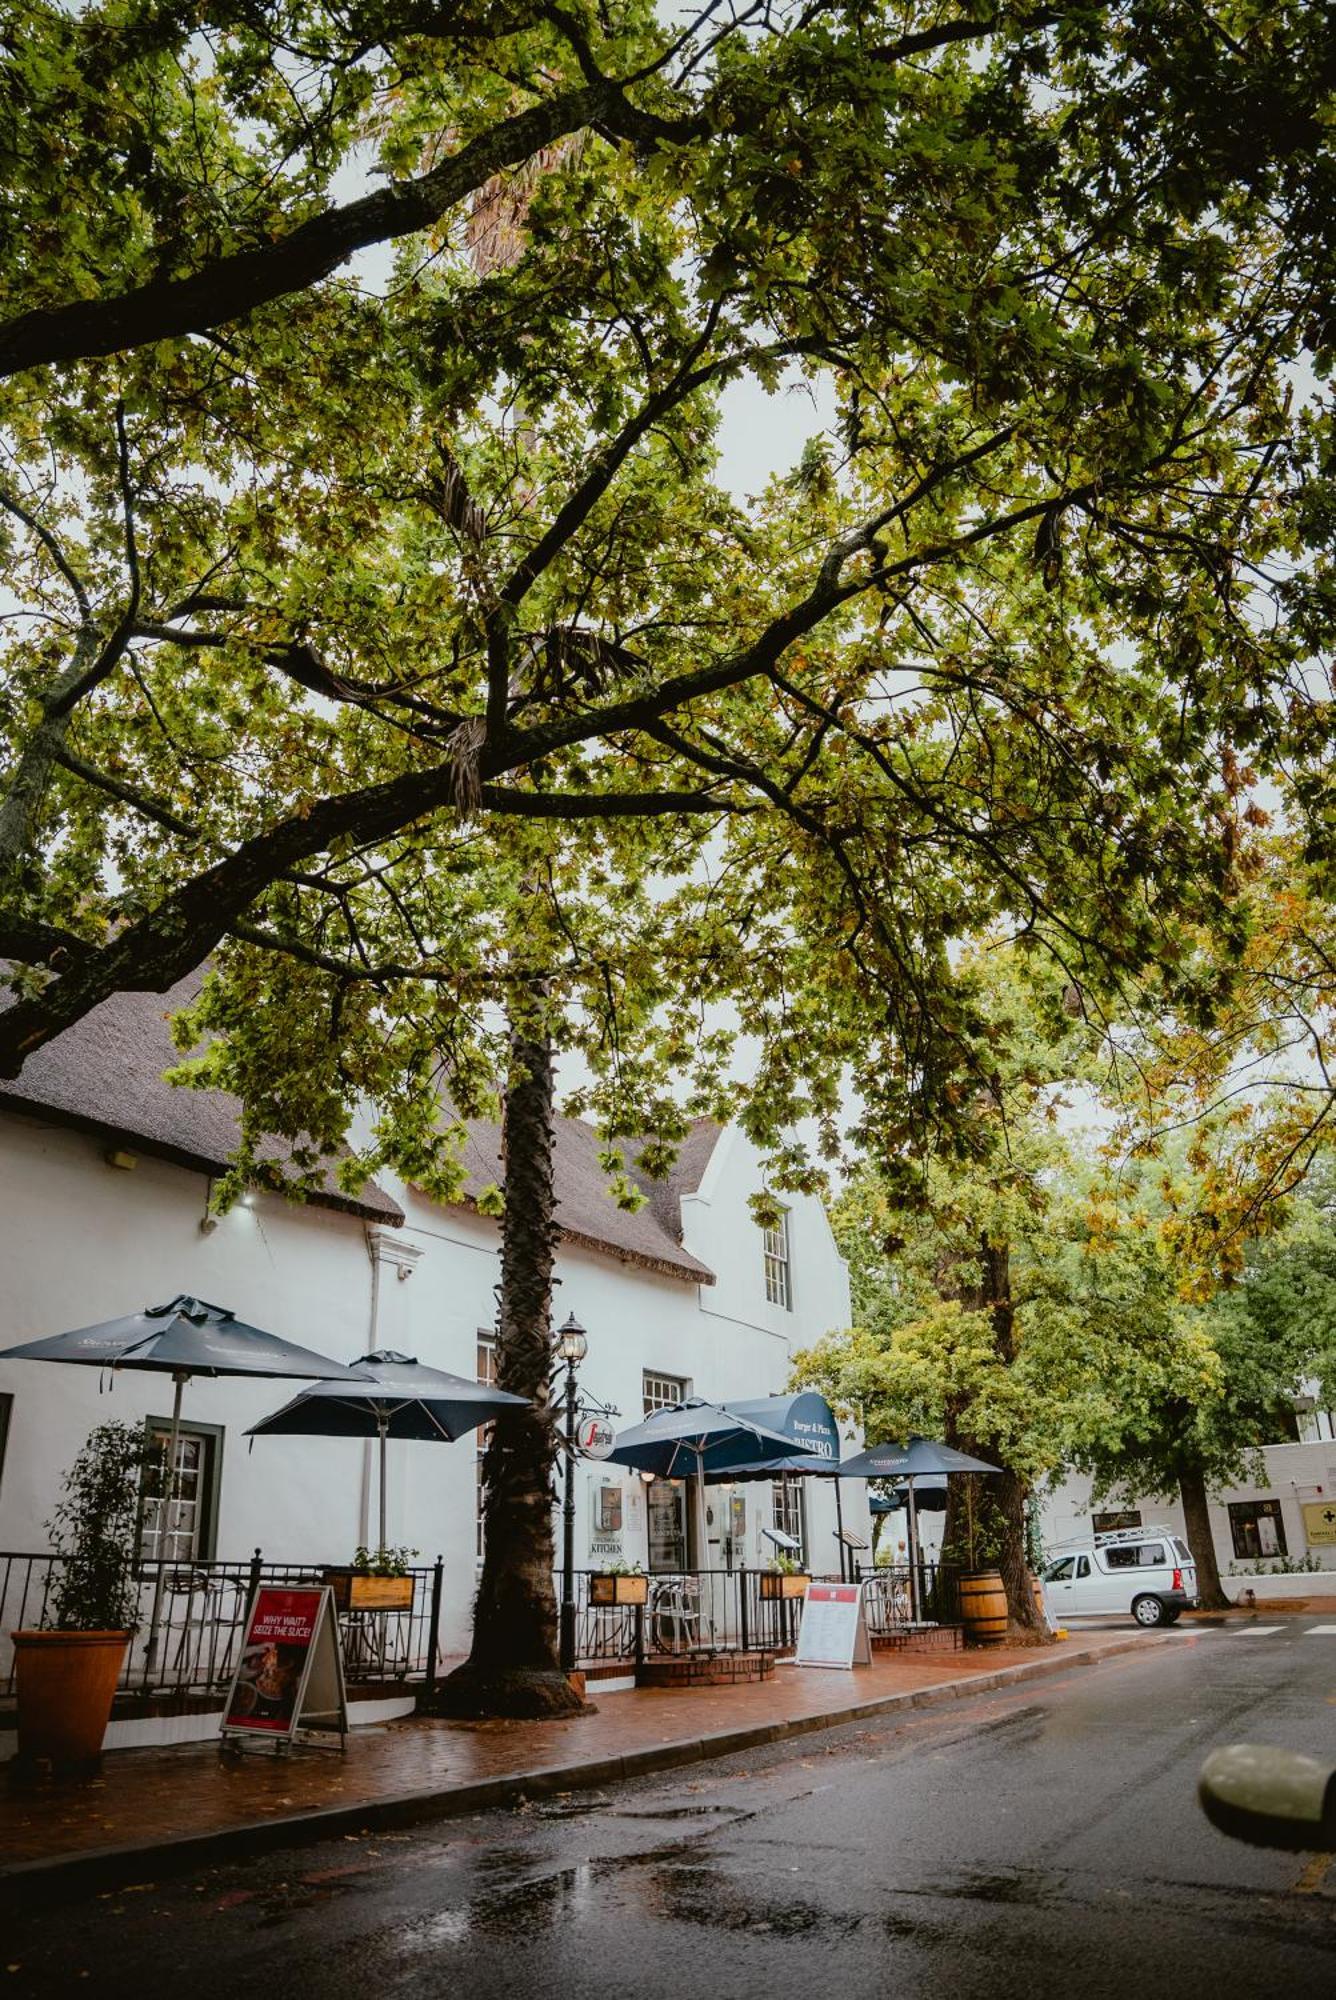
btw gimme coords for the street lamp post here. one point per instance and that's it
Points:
(572, 1347)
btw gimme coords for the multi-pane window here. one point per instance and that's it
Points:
(1257, 1529)
(778, 1289)
(1119, 1517)
(788, 1510)
(487, 1376)
(663, 1392)
(178, 1517)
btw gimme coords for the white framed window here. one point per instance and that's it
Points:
(775, 1247)
(486, 1370)
(663, 1392)
(180, 1522)
(787, 1514)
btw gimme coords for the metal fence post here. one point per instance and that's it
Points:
(640, 1637)
(434, 1625)
(744, 1622)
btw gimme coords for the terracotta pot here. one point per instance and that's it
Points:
(66, 1682)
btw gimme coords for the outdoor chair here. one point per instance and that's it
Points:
(675, 1615)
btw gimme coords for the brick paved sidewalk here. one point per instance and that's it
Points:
(152, 1810)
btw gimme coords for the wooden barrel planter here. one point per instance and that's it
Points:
(983, 1606)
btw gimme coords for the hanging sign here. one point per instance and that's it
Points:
(595, 1437)
(833, 1632)
(289, 1677)
(1320, 1523)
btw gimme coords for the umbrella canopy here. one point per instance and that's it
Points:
(806, 1420)
(187, 1337)
(908, 1461)
(694, 1438)
(390, 1395)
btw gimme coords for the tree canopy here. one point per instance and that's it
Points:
(358, 606)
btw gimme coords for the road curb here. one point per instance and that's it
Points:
(109, 1867)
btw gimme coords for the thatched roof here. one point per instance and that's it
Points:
(105, 1076)
(586, 1212)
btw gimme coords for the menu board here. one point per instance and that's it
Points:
(833, 1632)
(290, 1673)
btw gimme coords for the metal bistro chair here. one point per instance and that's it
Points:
(675, 1615)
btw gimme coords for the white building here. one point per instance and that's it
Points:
(104, 1184)
(1263, 1533)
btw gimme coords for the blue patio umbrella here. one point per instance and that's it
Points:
(692, 1439)
(806, 1418)
(910, 1462)
(387, 1395)
(696, 1438)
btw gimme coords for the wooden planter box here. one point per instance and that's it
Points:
(775, 1583)
(354, 1591)
(607, 1588)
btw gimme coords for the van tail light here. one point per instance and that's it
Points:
(1178, 1580)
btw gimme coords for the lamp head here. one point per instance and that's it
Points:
(572, 1340)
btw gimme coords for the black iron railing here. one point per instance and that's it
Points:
(897, 1598)
(201, 1616)
(686, 1611)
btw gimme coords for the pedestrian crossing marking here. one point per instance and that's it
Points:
(1258, 1631)
(1327, 1629)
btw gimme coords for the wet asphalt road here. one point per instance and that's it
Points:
(1043, 1841)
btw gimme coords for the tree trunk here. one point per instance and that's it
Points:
(1196, 1515)
(514, 1668)
(999, 1496)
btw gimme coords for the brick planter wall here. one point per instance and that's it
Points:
(929, 1639)
(701, 1670)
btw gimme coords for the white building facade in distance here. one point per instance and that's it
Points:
(1270, 1536)
(105, 1175)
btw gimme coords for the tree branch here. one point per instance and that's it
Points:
(230, 288)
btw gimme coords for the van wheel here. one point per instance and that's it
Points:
(1148, 1611)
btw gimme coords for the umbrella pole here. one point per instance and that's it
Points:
(913, 1552)
(382, 1427)
(839, 1529)
(180, 1377)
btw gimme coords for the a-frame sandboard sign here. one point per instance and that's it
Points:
(834, 1630)
(288, 1685)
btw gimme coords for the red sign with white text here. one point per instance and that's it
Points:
(282, 1625)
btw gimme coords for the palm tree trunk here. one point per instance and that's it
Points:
(513, 1668)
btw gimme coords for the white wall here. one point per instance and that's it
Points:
(83, 1242)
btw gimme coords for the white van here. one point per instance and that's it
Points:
(1148, 1572)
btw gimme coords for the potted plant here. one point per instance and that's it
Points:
(375, 1580)
(784, 1578)
(66, 1672)
(618, 1584)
